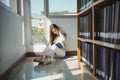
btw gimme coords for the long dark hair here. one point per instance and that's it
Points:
(52, 35)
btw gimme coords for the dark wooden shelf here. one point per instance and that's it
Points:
(97, 5)
(102, 3)
(99, 2)
(109, 45)
(86, 11)
(89, 9)
(85, 40)
(105, 44)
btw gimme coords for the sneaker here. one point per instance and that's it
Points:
(46, 60)
(38, 59)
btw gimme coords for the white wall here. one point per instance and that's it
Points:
(69, 26)
(11, 39)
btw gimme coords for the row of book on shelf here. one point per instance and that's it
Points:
(87, 54)
(85, 26)
(107, 61)
(106, 24)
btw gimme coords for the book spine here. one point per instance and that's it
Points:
(116, 22)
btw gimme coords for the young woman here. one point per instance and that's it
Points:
(56, 48)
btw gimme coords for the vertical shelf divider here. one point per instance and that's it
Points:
(78, 28)
(94, 47)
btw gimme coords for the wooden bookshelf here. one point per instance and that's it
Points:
(95, 6)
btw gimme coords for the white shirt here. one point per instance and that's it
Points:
(60, 39)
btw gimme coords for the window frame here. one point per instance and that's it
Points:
(15, 7)
(36, 18)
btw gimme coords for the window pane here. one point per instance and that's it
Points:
(37, 8)
(62, 7)
(38, 21)
(38, 31)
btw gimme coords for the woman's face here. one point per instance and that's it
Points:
(54, 30)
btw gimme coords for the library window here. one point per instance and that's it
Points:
(38, 21)
(62, 7)
(6, 2)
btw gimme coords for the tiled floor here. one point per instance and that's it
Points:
(60, 69)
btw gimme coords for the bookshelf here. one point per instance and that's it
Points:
(98, 24)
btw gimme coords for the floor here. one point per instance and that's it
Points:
(60, 69)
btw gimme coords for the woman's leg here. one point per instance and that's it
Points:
(58, 52)
(43, 54)
(48, 51)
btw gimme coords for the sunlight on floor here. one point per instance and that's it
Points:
(72, 63)
(77, 72)
(50, 77)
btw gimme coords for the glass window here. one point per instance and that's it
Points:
(38, 30)
(37, 8)
(62, 7)
(38, 21)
